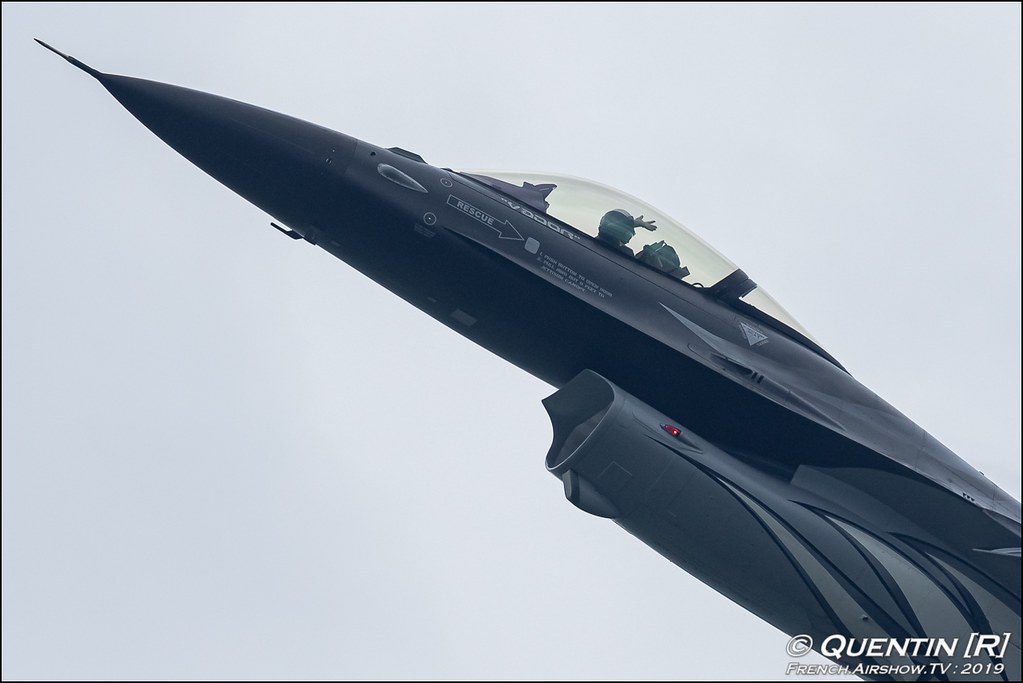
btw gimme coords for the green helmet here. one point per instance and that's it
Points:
(661, 255)
(618, 225)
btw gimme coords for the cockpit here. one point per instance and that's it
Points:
(630, 226)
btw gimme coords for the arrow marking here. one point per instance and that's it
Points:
(505, 230)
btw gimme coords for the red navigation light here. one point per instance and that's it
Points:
(672, 429)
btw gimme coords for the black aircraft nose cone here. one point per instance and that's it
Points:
(279, 163)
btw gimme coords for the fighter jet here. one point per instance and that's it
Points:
(690, 409)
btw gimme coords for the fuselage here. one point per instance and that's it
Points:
(547, 297)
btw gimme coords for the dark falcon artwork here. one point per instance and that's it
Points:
(695, 412)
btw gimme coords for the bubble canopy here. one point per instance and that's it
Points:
(633, 227)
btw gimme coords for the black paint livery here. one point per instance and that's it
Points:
(691, 409)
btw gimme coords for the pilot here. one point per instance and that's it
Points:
(664, 258)
(618, 226)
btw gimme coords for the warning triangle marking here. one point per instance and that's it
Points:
(753, 335)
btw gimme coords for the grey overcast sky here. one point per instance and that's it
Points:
(229, 455)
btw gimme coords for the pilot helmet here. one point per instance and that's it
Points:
(618, 225)
(660, 255)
